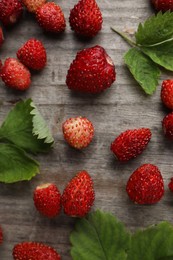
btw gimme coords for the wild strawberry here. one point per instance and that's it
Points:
(78, 196)
(167, 93)
(163, 5)
(1, 37)
(130, 143)
(145, 185)
(47, 200)
(0, 67)
(34, 251)
(78, 132)
(167, 125)
(33, 54)
(15, 75)
(92, 71)
(51, 18)
(33, 5)
(170, 185)
(10, 11)
(86, 18)
(1, 235)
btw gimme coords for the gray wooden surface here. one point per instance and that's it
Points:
(122, 107)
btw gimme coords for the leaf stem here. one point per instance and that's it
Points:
(132, 43)
(156, 44)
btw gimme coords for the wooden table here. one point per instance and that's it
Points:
(123, 106)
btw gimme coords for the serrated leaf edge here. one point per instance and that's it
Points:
(47, 138)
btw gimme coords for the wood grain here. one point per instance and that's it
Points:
(121, 107)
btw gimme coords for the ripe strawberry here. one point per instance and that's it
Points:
(33, 54)
(10, 11)
(1, 37)
(130, 143)
(47, 200)
(78, 132)
(34, 251)
(145, 185)
(167, 93)
(167, 126)
(15, 75)
(86, 18)
(163, 5)
(170, 185)
(33, 5)
(78, 196)
(51, 18)
(1, 235)
(92, 71)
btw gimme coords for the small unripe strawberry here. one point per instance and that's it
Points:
(47, 200)
(33, 5)
(130, 143)
(15, 75)
(167, 93)
(78, 196)
(92, 71)
(167, 125)
(51, 18)
(34, 251)
(78, 132)
(10, 11)
(33, 54)
(86, 18)
(145, 185)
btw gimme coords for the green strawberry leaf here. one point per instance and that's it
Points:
(153, 243)
(156, 29)
(143, 70)
(40, 128)
(25, 128)
(15, 164)
(100, 236)
(166, 258)
(161, 54)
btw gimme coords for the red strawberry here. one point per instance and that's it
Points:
(92, 71)
(86, 18)
(33, 5)
(78, 132)
(145, 185)
(170, 185)
(167, 126)
(1, 37)
(15, 75)
(51, 18)
(78, 196)
(167, 93)
(163, 5)
(33, 54)
(1, 235)
(130, 143)
(47, 200)
(0, 67)
(10, 11)
(34, 251)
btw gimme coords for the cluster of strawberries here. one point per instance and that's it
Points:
(92, 71)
